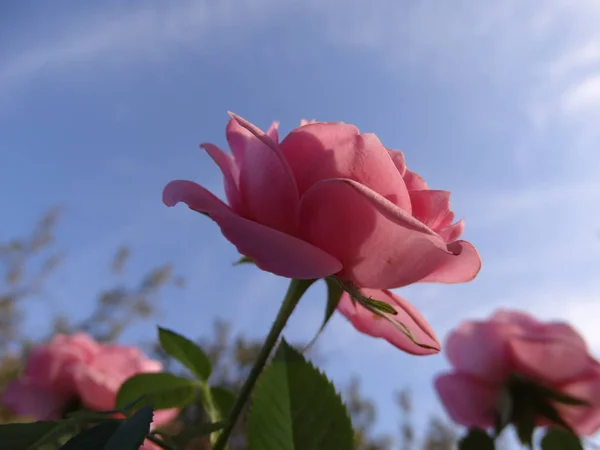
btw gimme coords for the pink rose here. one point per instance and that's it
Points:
(100, 379)
(77, 368)
(327, 200)
(484, 354)
(48, 381)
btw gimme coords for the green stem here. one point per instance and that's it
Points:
(211, 410)
(295, 291)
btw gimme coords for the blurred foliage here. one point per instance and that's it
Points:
(27, 262)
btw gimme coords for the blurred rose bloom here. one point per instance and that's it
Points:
(328, 200)
(484, 354)
(76, 368)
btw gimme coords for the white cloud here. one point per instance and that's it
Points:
(545, 55)
(460, 38)
(583, 97)
(145, 33)
(493, 208)
(581, 57)
(500, 43)
(582, 310)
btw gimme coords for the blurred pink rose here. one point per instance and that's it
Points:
(76, 368)
(100, 379)
(484, 354)
(48, 381)
(328, 200)
(368, 323)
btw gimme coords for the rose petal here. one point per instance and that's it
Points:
(52, 365)
(522, 319)
(164, 417)
(270, 249)
(414, 182)
(480, 349)
(430, 207)
(123, 361)
(231, 175)
(398, 160)
(373, 325)
(195, 196)
(267, 188)
(240, 138)
(566, 332)
(94, 391)
(534, 329)
(585, 420)
(446, 221)
(549, 360)
(99, 383)
(80, 343)
(462, 267)
(378, 243)
(149, 445)
(322, 151)
(28, 399)
(468, 400)
(273, 132)
(453, 232)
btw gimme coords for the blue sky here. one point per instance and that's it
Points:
(102, 105)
